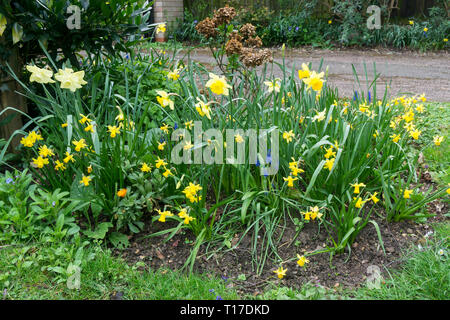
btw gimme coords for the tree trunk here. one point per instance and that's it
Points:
(10, 98)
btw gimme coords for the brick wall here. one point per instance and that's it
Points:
(167, 11)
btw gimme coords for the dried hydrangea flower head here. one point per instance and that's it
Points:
(251, 57)
(234, 44)
(224, 15)
(207, 28)
(253, 42)
(248, 30)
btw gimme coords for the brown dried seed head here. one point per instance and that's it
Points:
(233, 46)
(252, 58)
(224, 15)
(235, 35)
(248, 30)
(207, 27)
(253, 42)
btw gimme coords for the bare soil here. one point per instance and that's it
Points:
(343, 271)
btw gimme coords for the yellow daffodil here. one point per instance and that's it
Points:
(290, 181)
(307, 215)
(420, 108)
(164, 100)
(173, 75)
(69, 157)
(161, 145)
(40, 162)
(40, 75)
(329, 163)
(425, 29)
(84, 119)
(395, 137)
(188, 218)
(45, 151)
(165, 128)
(203, 109)
(89, 169)
(218, 85)
(160, 162)
(314, 81)
(302, 260)
(288, 136)
(357, 186)
(89, 128)
(69, 79)
(167, 173)
(330, 153)
(183, 213)
(163, 215)
(85, 180)
(320, 116)
(415, 134)
(280, 272)
(314, 212)
(304, 72)
(238, 138)
(64, 125)
(188, 145)
(113, 130)
(407, 193)
(374, 198)
(27, 141)
(189, 124)
(438, 140)
(81, 144)
(359, 203)
(273, 85)
(59, 166)
(191, 192)
(161, 28)
(295, 171)
(145, 168)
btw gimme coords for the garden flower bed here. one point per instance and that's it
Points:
(240, 173)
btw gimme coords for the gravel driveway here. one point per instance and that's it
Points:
(405, 71)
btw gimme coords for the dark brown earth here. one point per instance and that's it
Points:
(344, 271)
(404, 71)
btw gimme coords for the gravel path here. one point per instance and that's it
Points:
(405, 71)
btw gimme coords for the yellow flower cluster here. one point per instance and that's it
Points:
(312, 214)
(30, 139)
(359, 201)
(191, 192)
(311, 78)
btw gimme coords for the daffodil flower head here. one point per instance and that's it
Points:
(280, 272)
(304, 72)
(218, 85)
(164, 100)
(40, 75)
(69, 79)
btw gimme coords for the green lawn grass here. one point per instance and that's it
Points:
(437, 122)
(104, 277)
